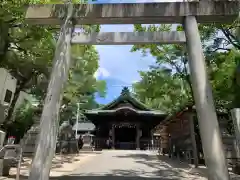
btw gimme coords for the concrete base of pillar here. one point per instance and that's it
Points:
(137, 148)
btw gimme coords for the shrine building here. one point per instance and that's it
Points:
(126, 121)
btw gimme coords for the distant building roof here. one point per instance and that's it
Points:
(84, 126)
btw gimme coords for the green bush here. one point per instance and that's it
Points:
(22, 122)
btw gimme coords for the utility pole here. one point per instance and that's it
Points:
(76, 130)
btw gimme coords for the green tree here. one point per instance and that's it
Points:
(222, 76)
(26, 51)
(82, 85)
(160, 89)
(173, 57)
(23, 121)
(218, 53)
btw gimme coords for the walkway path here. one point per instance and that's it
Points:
(61, 165)
(132, 165)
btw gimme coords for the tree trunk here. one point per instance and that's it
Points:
(12, 105)
(19, 88)
(4, 43)
(46, 144)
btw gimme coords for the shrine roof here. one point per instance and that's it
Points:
(113, 107)
(114, 111)
(84, 126)
(125, 96)
(188, 107)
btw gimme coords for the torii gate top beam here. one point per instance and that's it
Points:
(145, 13)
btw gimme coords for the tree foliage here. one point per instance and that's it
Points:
(27, 52)
(169, 90)
(82, 85)
(159, 89)
(24, 120)
(57, 1)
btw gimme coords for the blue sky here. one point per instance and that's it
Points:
(118, 62)
(118, 66)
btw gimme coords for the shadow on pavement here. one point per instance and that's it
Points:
(105, 177)
(161, 168)
(113, 177)
(166, 166)
(151, 159)
(158, 170)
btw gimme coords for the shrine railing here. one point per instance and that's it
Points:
(125, 145)
(100, 143)
(148, 144)
(145, 144)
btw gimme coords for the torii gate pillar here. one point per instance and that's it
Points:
(209, 128)
(47, 139)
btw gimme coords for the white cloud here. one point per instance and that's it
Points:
(101, 72)
(135, 81)
(119, 61)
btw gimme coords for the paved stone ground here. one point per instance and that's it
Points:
(61, 165)
(133, 165)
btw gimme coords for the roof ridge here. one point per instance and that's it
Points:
(125, 94)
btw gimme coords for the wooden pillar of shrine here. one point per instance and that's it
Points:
(193, 138)
(164, 140)
(137, 137)
(113, 136)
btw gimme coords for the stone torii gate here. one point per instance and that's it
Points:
(186, 13)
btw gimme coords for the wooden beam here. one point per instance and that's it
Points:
(206, 11)
(129, 38)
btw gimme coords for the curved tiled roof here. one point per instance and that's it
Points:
(84, 126)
